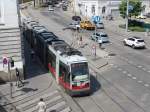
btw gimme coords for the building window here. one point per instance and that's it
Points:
(103, 10)
(93, 9)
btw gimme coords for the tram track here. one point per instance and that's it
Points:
(99, 76)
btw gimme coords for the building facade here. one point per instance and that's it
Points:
(11, 42)
(102, 7)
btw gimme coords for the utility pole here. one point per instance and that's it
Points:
(9, 60)
(127, 14)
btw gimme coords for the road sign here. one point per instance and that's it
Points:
(5, 64)
(96, 19)
(5, 60)
(130, 7)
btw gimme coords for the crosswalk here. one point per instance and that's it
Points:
(28, 102)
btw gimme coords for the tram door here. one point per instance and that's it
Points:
(63, 75)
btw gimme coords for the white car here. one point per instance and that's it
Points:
(134, 42)
(74, 25)
(50, 8)
(141, 17)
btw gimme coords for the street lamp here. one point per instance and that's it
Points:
(127, 13)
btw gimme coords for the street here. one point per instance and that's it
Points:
(120, 86)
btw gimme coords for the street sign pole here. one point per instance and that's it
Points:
(10, 78)
(127, 13)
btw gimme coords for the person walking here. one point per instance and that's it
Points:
(80, 41)
(94, 50)
(41, 106)
(19, 81)
(100, 44)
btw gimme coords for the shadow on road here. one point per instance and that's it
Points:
(95, 84)
(33, 66)
(2, 109)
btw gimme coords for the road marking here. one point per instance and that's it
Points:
(130, 62)
(144, 69)
(140, 81)
(115, 66)
(124, 72)
(129, 75)
(111, 64)
(139, 66)
(146, 85)
(119, 69)
(133, 77)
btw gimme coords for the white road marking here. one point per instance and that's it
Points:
(140, 81)
(129, 75)
(124, 72)
(139, 66)
(146, 85)
(144, 69)
(119, 69)
(133, 77)
(111, 64)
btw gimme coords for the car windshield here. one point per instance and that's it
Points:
(104, 35)
(140, 40)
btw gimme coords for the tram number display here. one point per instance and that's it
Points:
(75, 65)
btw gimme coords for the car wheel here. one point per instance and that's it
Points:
(133, 46)
(124, 43)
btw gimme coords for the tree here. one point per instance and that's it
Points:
(137, 8)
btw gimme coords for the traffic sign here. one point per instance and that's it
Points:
(5, 64)
(96, 19)
(130, 7)
(5, 60)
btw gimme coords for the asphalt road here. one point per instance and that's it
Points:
(123, 86)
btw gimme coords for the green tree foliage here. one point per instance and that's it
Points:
(137, 8)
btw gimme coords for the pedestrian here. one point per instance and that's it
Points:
(100, 44)
(32, 54)
(80, 41)
(94, 50)
(41, 106)
(19, 81)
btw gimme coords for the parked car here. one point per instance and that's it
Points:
(141, 17)
(147, 15)
(100, 37)
(109, 17)
(50, 8)
(74, 25)
(76, 18)
(100, 25)
(64, 7)
(134, 42)
(87, 25)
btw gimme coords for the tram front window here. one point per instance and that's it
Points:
(79, 71)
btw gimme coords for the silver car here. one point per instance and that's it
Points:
(100, 25)
(100, 37)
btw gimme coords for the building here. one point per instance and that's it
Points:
(101, 7)
(11, 45)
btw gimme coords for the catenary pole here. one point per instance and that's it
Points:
(127, 14)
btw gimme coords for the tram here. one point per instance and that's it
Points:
(68, 66)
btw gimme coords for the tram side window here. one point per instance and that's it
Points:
(52, 59)
(63, 71)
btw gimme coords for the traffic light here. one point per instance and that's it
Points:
(12, 63)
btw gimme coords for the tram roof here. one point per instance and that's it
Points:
(68, 54)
